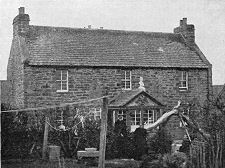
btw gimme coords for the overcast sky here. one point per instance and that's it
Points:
(208, 16)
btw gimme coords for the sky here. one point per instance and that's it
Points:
(208, 16)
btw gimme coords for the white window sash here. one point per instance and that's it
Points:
(125, 80)
(184, 80)
(137, 115)
(62, 82)
(97, 113)
(121, 113)
(114, 117)
(148, 116)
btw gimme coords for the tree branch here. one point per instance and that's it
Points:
(164, 117)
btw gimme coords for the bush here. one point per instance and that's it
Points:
(112, 150)
(175, 160)
(18, 139)
(160, 143)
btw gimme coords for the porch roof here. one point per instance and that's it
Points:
(135, 97)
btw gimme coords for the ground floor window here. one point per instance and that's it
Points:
(96, 112)
(122, 113)
(135, 117)
(149, 117)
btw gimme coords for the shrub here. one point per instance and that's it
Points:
(112, 150)
(160, 143)
(175, 160)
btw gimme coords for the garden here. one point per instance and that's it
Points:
(22, 141)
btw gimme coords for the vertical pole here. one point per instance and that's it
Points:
(102, 145)
(0, 118)
(45, 141)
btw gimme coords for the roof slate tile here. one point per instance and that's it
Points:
(83, 47)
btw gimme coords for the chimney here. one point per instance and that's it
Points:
(21, 10)
(21, 23)
(89, 26)
(187, 30)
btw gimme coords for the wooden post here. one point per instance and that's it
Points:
(45, 141)
(102, 145)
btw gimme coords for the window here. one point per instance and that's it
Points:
(135, 117)
(126, 80)
(183, 81)
(149, 117)
(62, 80)
(123, 114)
(96, 112)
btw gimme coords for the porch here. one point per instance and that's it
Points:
(136, 107)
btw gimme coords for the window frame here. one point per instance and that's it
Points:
(148, 117)
(95, 112)
(61, 81)
(181, 85)
(137, 118)
(125, 80)
(123, 114)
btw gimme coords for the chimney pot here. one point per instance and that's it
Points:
(21, 10)
(181, 22)
(185, 21)
(187, 30)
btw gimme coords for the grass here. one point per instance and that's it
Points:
(69, 163)
(41, 164)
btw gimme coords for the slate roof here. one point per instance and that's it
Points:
(92, 47)
(217, 89)
(127, 96)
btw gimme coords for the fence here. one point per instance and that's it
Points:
(198, 154)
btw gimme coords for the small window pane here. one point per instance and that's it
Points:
(128, 85)
(64, 75)
(58, 85)
(127, 75)
(64, 86)
(58, 75)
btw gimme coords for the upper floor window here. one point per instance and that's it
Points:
(183, 81)
(62, 80)
(126, 80)
(96, 112)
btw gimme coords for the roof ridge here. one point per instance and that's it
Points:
(110, 30)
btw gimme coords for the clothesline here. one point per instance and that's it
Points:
(68, 128)
(52, 107)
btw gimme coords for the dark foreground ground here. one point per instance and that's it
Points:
(69, 164)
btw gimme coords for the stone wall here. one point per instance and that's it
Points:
(162, 84)
(4, 91)
(15, 71)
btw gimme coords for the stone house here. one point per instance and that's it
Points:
(3, 91)
(53, 65)
(219, 95)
